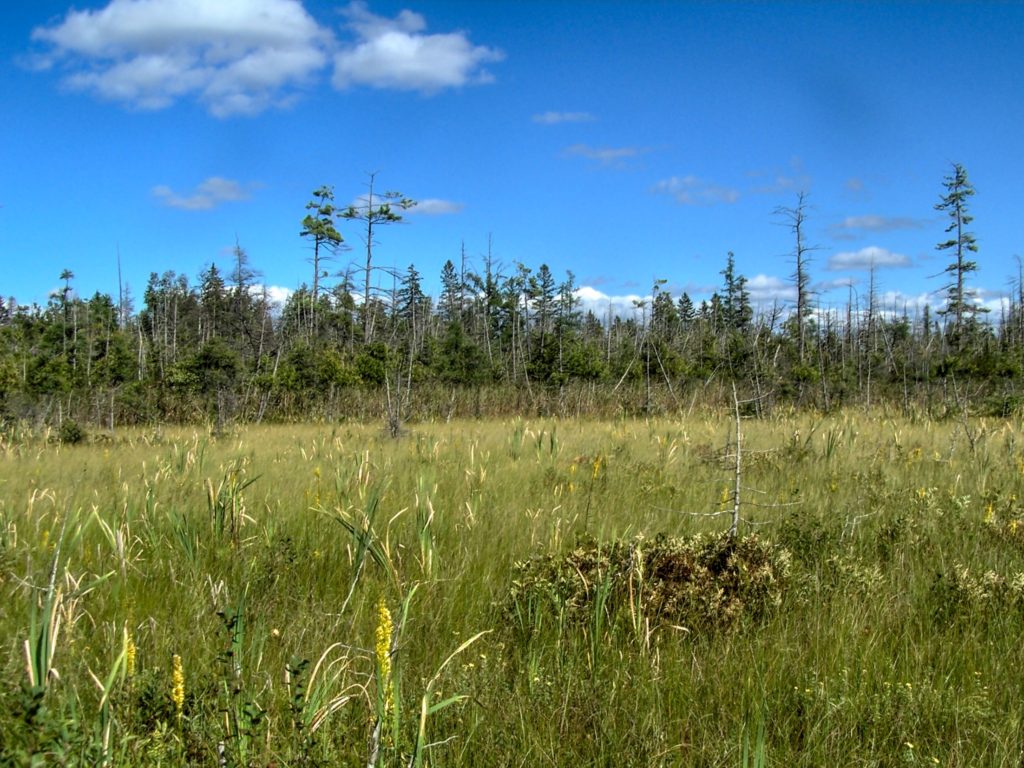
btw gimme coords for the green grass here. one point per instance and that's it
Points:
(896, 638)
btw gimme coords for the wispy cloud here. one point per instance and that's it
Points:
(780, 180)
(433, 206)
(691, 190)
(610, 156)
(398, 54)
(867, 258)
(207, 195)
(852, 227)
(553, 118)
(238, 57)
(824, 286)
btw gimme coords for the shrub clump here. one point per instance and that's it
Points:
(961, 591)
(702, 582)
(70, 433)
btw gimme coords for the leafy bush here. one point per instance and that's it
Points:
(959, 591)
(702, 582)
(70, 433)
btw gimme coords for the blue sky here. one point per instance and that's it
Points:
(628, 142)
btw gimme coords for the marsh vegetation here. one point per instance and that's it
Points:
(518, 592)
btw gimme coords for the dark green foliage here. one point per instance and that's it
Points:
(372, 363)
(35, 735)
(221, 347)
(458, 360)
(959, 297)
(70, 433)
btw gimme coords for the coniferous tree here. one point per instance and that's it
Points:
(449, 305)
(318, 227)
(736, 306)
(374, 210)
(961, 243)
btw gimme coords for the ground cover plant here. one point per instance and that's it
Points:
(516, 592)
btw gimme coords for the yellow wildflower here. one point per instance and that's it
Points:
(382, 652)
(129, 655)
(177, 685)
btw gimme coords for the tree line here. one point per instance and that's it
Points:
(367, 341)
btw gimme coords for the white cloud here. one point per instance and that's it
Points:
(277, 295)
(690, 190)
(766, 289)
(896, 303)
(598, 302)
(893, 303)
(396, 53)
(435, 207)
(208, 194)
(867, 258)
(997, 306)
(237, 57)
(553, 118)
(611, 156)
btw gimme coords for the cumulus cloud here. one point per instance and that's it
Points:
(611, 156)
(397, 53)
(207, 195)
(997, 303)
(894, 303)
(691, 190)
(599, 302)
(553, 118)
(277, 295)
(867, 258)
(992, 304)
(767, 289)
(764, 290)
(237, 57)
(432, 206)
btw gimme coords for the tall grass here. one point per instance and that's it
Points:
(261, 558)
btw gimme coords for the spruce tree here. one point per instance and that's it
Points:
(954, 202)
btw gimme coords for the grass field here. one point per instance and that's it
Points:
(526, 592)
